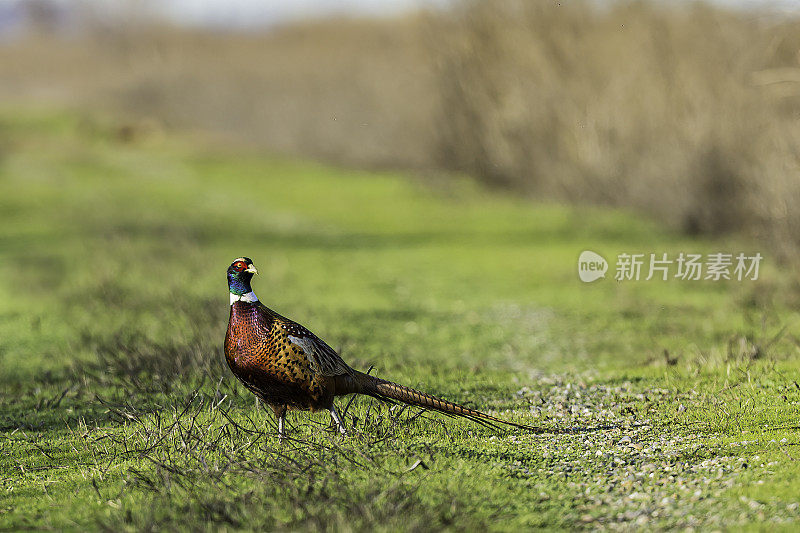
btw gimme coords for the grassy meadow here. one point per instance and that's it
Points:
(118, 412)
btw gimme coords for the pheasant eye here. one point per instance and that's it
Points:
(239, 266)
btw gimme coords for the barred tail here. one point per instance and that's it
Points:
(392, 391)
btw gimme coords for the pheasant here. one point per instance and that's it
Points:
(288, 367)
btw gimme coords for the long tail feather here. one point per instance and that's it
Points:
(392, 391)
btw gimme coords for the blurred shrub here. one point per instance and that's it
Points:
(686, 112)
(355, 92)
(683, 111)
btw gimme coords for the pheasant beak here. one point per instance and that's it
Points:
(252, 270)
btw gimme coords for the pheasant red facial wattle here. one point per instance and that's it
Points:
(289, 367)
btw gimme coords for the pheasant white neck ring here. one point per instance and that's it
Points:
(248, 297)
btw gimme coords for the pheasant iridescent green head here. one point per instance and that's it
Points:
(240, 273)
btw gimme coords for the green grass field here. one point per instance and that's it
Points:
(117, 410)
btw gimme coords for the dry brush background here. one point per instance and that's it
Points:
(685, 111)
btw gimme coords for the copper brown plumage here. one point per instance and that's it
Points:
(289, 367)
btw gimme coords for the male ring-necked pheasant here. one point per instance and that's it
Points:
(289, 367)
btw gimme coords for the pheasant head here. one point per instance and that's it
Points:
(240, 273)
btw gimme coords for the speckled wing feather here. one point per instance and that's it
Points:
(323, 359)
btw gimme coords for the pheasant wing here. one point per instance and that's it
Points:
(324, 359)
